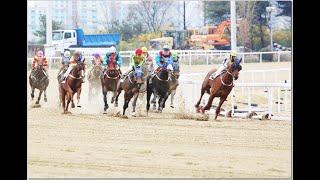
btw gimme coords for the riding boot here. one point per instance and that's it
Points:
(66, 74)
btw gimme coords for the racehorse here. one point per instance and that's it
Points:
(173, 84)
(221, 86)
(94, 80)
(109, 82)
(38, 79)
(159, 88)
(71, 86)
(143, 88)
(131, 85)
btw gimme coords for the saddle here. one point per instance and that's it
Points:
(216, 75)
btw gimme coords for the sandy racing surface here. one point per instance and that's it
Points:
(88, 143)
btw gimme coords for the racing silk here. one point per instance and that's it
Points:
(73, 61)
(149, 62)
(137, 61)
(37, 61)
(96, 61)
(108, 58)
(167, 59)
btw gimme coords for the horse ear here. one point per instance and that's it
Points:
(240, 60)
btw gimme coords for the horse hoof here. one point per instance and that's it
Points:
(79, 106)
(37, 102)
(73, 106)
(171, 106)
(45, 100)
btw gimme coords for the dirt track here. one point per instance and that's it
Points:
(91, 144)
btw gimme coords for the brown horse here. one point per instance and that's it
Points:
(71, 86)
(38, 79)
(94, 80)
(109, 82)
(221, 86)
(131, 85)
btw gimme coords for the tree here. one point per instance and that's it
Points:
(153, 13)
(245, 10)
(42, 32)
(216, 11)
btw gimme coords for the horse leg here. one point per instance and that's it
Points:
(208, 106)
(134, 103)
(32, 93)
(149, 93)
(164, 100)
(127, 97)
(173, 92)
(198, 103)
(222, 99)
(63, 99)
(78, 97)
(40, 93)
(106, 106)
(45, 96)
(118, 93)
(154, 101)
(69, 97)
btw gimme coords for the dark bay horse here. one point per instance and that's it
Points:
(38, 79)
(71, 86)
(94, 80)
(173, 84)
(159, 88)
(131, 85)
(221, 86)
(109, 82)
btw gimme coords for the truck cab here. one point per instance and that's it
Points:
(63, 39)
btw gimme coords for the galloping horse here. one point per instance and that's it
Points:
(94, 80)
(71, 86)
(159, 88)
(38, 79)
(109, 82)
(131, 85)
(173, 84)
(221, 86)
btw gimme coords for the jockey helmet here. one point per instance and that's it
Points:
(77, 55)
(144, 49)
(233, 53)
(174, 54)
(96, 55)
(138, 52)
(112, 49)
(66, 54)
(166, 47)
(40, 53)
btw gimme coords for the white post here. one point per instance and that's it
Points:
(189, 58)
(249, 99)
(243, 58)
(207, 58)
(49, 24)
(278, 99)
(233, 25)
(260, 57)
(278, 56)
(232, 103)
(252, 79)
(285, 100)
(270, 102)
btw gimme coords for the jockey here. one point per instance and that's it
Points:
(136, 60)
(149, 59)
(39, 58)
(226, 61)
(65, 60)
(114, 56)
(175, 57)
(163, 60)
(74, 60)
(96, 60)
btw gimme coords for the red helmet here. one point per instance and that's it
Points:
(138, 51)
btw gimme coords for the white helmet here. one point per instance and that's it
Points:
(166, 47)
(67, 54)
(112, 49)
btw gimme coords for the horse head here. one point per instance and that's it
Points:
(138, 75)
(97, 70)
(176, 70)
(164, 73)
(234, 68)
